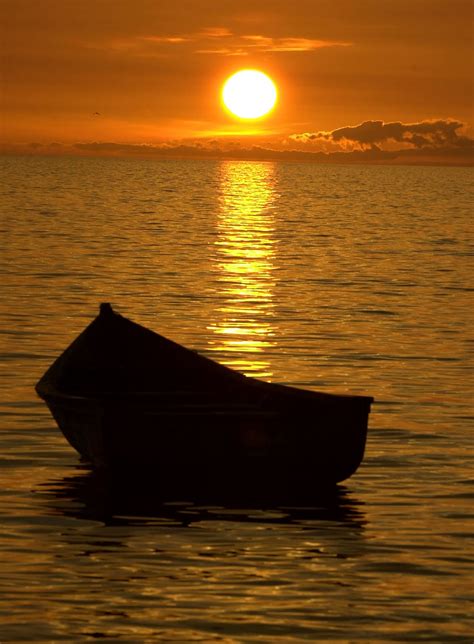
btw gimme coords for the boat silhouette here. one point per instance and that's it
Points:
(134, 403)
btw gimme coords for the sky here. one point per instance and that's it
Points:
(358, 80)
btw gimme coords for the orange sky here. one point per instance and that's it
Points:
(363, 75)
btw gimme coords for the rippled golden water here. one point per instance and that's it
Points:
(338, 278)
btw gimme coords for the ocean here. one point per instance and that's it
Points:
(349, 279)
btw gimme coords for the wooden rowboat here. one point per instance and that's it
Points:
(131, 402)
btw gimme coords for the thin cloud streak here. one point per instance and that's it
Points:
(291, 44)
(204, 42)
(215, 32)
(165, 39)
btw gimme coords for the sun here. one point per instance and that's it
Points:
(249, 94)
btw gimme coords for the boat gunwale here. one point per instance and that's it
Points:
(49, 390)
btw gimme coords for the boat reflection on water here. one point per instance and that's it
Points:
(91, 496)
(244, 259)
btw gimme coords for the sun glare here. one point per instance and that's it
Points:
(249, 94)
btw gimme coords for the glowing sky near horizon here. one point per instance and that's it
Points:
(151, 73)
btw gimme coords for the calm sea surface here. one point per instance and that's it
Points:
(338, 278)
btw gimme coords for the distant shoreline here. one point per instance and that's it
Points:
(461, 158)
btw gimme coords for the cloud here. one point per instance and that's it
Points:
(215, 149)
(222, 41)
(165, 39)
(223, 51)
(291, 44)
(212, 148)
(371, 134)
(450, 148)
(216, 32)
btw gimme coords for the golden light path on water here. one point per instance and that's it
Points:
(245, 261)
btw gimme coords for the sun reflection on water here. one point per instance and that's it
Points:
(245, 252)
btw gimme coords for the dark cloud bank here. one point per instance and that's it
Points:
(439, 155)
(435, 142)
(371, 134)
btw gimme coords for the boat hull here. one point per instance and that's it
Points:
(320, 444)
(220, 430)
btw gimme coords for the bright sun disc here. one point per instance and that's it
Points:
(249, 94)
